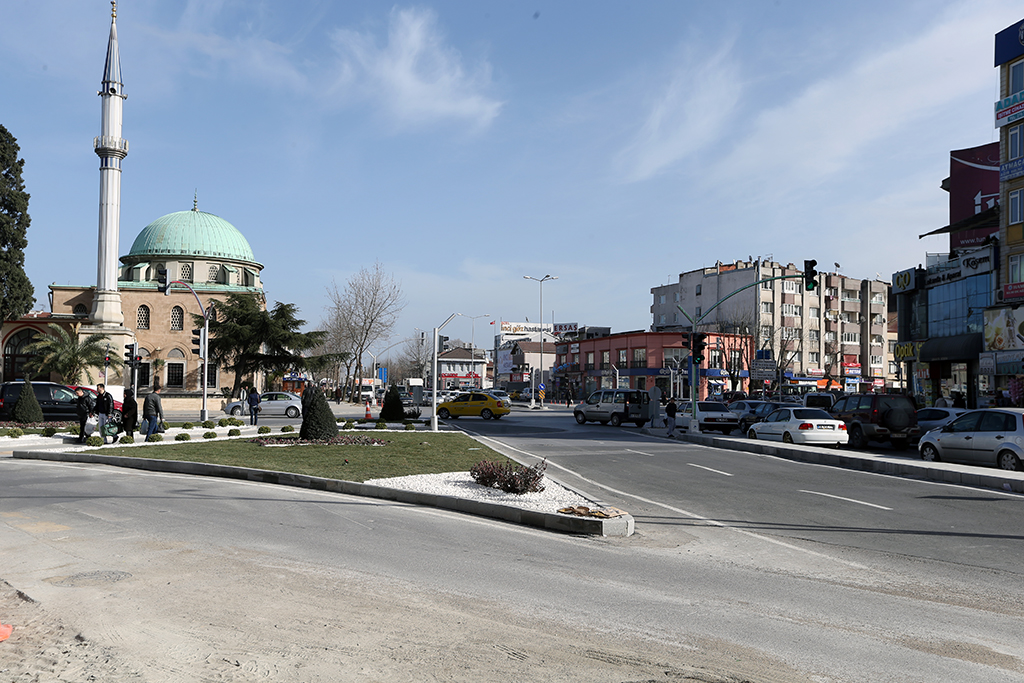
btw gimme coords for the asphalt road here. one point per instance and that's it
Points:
(743, 564)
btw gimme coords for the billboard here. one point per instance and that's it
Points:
(973, 182)
(1010, 43)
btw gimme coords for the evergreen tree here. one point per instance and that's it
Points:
(16, 292)
(392, 411)
(26, 408)
(318, 422)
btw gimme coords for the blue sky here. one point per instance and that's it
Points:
(466, 144)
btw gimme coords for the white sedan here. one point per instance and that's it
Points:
(810, 426)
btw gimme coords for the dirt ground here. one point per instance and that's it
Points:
(255, 618)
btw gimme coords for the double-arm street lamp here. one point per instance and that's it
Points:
(433, 375)
(533, 383)
(204, 344)
(472, 344)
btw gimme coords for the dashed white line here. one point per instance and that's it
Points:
(630, 450)
(848, 500)
(709, 469)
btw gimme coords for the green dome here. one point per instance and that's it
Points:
(192, 233)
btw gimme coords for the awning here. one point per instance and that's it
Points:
(961, 347)
(230, 269)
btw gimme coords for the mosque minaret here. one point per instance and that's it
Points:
(111, 148)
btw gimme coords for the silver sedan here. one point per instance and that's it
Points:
(271, 403)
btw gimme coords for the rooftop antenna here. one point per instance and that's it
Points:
(195, 200)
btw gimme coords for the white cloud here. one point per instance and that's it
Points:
(690, 112)
(416, 77)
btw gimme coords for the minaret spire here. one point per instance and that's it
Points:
(111, 148)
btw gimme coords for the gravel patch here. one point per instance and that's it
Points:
(461, 485)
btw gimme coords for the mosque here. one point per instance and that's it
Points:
(204, 254)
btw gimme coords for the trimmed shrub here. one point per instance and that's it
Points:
(318, 422)
(287, 428)
(49, 431)
(392, 409)
(234, 432)
(381, 425)
(235, 422)
(155, 437)
(26, 409)
(208, 424)
(509, 477)
(264, 429)
(410, 427)
(126, 439)
(349, 424)
(94, 441)
(210, 435)
(224, 422)
(15, 432)
(188, 425)
(182, 437)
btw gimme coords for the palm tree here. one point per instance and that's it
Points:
(68, 355)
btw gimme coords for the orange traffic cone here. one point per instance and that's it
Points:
(368, 416)
(5, 631)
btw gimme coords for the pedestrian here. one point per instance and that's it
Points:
(958, 400)
(129, 412)
(104, 409)
(670, 416)
(153, 410)
(254, 405)
(83, 408)
(941, 402)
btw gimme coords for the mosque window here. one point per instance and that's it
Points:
(80, 311)
(186, 272)
(143, 372)
(177, 318)
(211, 375)
(142, 318)
(214, 272)
(175, 370)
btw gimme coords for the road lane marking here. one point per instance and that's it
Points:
(685, 513)
(848, 500)
(709, 469)
(630, 450)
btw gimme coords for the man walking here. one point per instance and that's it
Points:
(670, 417)
(253, 399)
(83, 408)
(104, 409)
(153, 411)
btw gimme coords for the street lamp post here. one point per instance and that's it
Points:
(433, 375)
(204, 414)
(533, 383)
(472, 344)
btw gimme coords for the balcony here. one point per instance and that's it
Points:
(638, 364)
(108, 142)
(589, 366)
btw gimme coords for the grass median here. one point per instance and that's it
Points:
(402, 455)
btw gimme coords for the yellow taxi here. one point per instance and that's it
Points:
(474, 403)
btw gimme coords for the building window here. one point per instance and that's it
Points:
(792, 333)
(176, 375)
(677, 296)
(830, 337)
(80, 311)
(1016, 78)
(211, 375)
(186, 272)
(766, 284)
(813, 336)
(715, 358)
(675, 317)
(877, 340)
(767, 307)
(698, 312)
(177, 318)
(623, 362)
(661, 299)
(876, 360)
(894, 368)
(878, 298)
(698, 290)
(814, 312)
(792, 310)
(1015, 273)
(814, 357)
(142, 318)
(851, 295)
(790, 286)
(661, 319)
(1016, 216)
(878, 319)
(214, 272)
(795, 358)
(851, 337)
(832, 292)
(1015, 146)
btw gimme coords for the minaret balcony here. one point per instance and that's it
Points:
(111, 145)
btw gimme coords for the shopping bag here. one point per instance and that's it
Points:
(90, 425)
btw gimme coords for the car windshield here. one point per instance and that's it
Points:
(712, 407)
(811, 414)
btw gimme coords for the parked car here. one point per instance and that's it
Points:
(712, 416)
(878, 417)
(933, 418)
(824, 400)
(730, 396)
(271, 403)
(615, 406)
(56, 400)
(474, 403)
(499, 393)
(992, 436)
(744, 411)
(762, 411)
(811, 426)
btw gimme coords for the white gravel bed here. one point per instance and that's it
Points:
(461, 485)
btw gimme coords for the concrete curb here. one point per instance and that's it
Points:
(551, 521)
(950, 473)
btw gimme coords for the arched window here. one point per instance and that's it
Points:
(15, 355)
(175, 369)
(80, 311)
(142, 317)
(144, 372)
(186, 272)
(177, 318)
(214, 272)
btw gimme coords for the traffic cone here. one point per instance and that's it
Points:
(368, 416)
(5, 631)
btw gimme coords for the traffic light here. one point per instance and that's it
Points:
(129, 355)
(106, 359)
(161, 281)
(687, 343)
(810, 275)
(697, 345)
(199, 343)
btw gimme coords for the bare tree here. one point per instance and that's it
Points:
(784, 344)
(366, 310)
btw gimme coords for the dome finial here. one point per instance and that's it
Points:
(195, 200)
(113, 9)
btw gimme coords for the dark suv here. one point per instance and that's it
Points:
(878, 417)
(56, 400)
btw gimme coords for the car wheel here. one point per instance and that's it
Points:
(639, 423)
(580, 418)
(486, 414)
(751, 434)
(616, 420)
(787, 438)
(929, 453)
(1008, 461)
(292, 412)
(857, 439)
(236, 411)
(443, 414)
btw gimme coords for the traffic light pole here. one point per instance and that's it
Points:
(808, 278)
(204, 414)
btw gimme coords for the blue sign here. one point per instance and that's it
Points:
(1010, 43)
(541, 386)
(382, 374)
(1011, 170)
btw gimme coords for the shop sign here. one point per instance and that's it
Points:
(574, 348)
(977, 262)
(904, 281)
(566, 328)
(1010, 368)
(1011, 170)
(986, 363)
(923, 373)
(1013, 290)
(905, 351)
(815, 372)
(876, 372)
(1003, 331)
(850, 372)
(1010, 109)
(851, 365)
(879, 382)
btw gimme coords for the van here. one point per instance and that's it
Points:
(615, 406)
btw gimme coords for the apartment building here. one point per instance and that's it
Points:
(837, 334)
